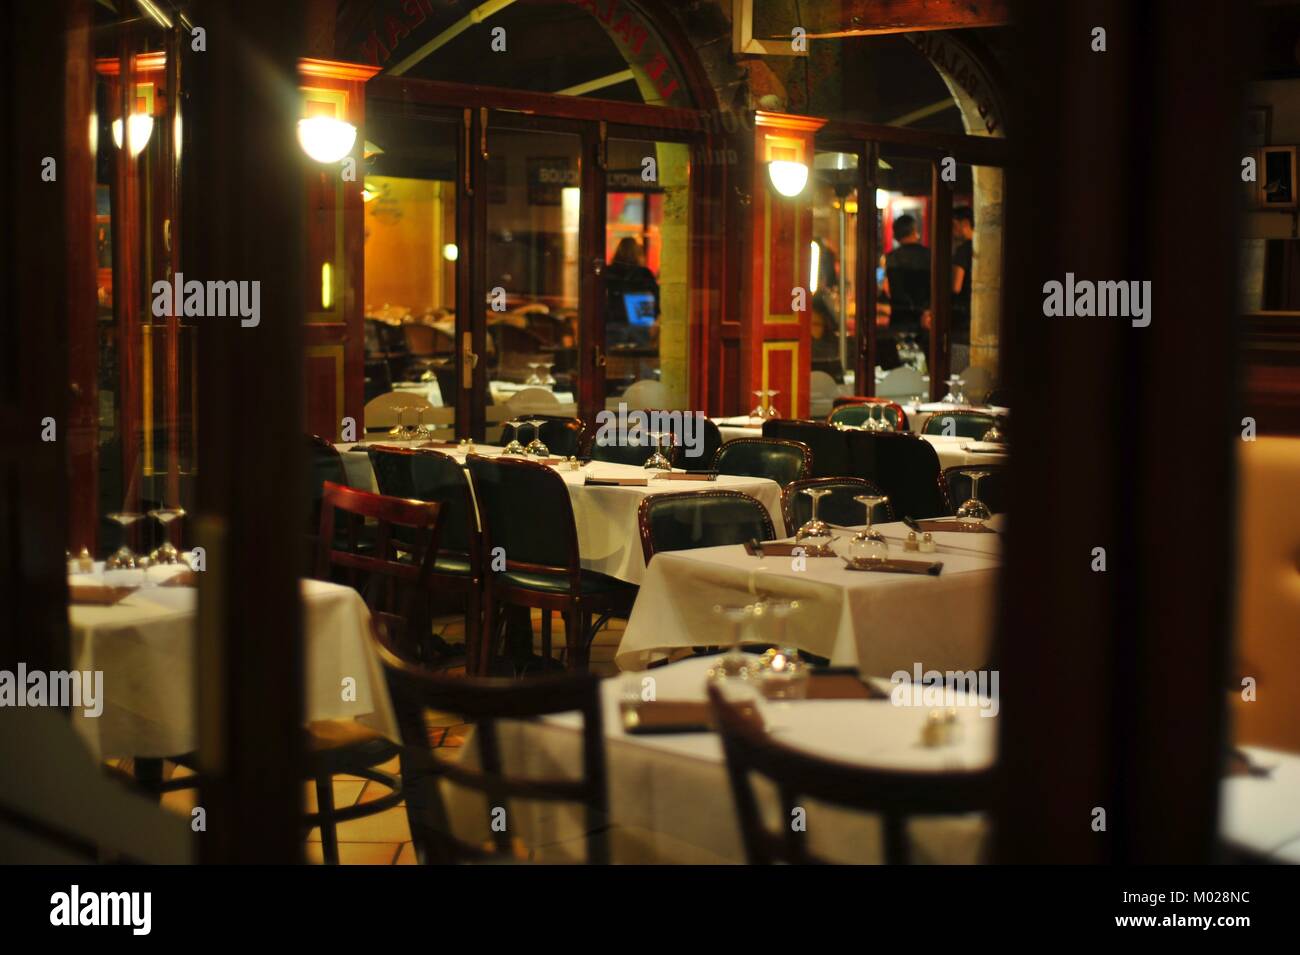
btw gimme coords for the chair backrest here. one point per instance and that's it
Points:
(643, 394)
(385, 411)
(633, 446)
(689, 519)
(903, 382)
(396, 591)
(415, 691)
(704, 434)
(780, 460)
(422, 340)
(562, 435)
(904, 466)
(993, 486)
(829, 447)
(325, 464)
(962, 424)
(798, 777)
(837, 507)
(858, 410)
(525, 509)
(424, 474)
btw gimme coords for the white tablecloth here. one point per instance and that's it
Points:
(669, 796)
(145, 647)
(739, 427)
(875, 621)
(951, 453)
(1262, 813)
(609, 538)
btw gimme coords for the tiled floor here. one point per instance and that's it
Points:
(385, 838)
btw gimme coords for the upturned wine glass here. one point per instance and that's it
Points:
(815, 530)
(123, 558)
(868, 544)
(534, 378)
(734, 664)
(535, 448)
(974, 511)
(659, 461)
(954, 395)
(994, 434)
(166, 553)
(514, 447)
(764, 408)
(422, 432)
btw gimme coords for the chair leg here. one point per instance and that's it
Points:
(577, 623)
(546, 637)
(329, 839)
(473, 631)
(487, 636)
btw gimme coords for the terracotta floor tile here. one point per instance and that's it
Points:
(346, 793)
(406, 856)
(357, 853)
(387, 826)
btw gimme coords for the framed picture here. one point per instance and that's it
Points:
(1277, 185)
(1259, 120)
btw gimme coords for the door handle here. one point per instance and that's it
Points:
(598, 356)
(468, 361)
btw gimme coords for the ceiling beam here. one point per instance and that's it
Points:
(868, 17)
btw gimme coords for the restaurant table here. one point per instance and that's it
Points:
(919, 414)
(669, 797)
(145, 646)
(878, 622)
(609, 536)
(1261, 814)
(742, 426)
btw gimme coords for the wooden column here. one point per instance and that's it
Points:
(334, 279)
(244, 212)
(776, 340)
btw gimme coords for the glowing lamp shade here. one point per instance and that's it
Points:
(326, 139)
(450, 252)
(788, 178)
(139, 127)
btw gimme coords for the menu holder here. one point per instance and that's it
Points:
(897, 567)
(841, 683)
(687, 476)
(100, 595)
(771, 549)
(615, 482)
(955, 527)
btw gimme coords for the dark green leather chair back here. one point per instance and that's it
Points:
(857, 414)
(993, 486)
(562, 436)
(904, 466)
(774, 458)
(620, 449)
(689, 519)
(829, 447)
(965, 424)
(440, 477)
(324, 464)
(837, 507)
(524, 507)
(704, 435)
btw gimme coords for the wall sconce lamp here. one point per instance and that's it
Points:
(326, 139)
(139, 127)
(788, 178)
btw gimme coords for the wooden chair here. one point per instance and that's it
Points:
(427, 475)
(325, 464)
(692, 519)
(709, 433)
(856, 409)
(777, 459)
(527, 519)
(397, 592)
(903, 465)
(797, 776)
(829, 446)
(486, 701)
(623, 449)
(837, 507)
(993, 486)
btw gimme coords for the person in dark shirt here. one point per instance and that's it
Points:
(627, 275)
(908, 271)
(963, 234)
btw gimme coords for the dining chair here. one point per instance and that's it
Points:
(425, 474)
(632, 447)
(690, 519)
(962, 424)
(324, 464)
(415, 691)
(777, 459)
(397, 592)
(993, 486)
(563, 436)
(829, 447)
(903, 465)
(838, 507)
(710, 439)
(856, 410)
(530, 543)
(798, 777)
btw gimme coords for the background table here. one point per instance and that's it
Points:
(609, 537)
(146, 648)
(669, 796)
(875, 621)
(951, 452)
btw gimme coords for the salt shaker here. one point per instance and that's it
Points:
(927, 545)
